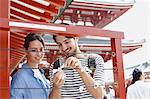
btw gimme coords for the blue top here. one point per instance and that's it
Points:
(25, 85)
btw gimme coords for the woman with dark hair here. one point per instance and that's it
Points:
(139, 89)
(136, 75)
(29, 82)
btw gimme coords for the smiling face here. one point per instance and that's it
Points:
(35, 52)
(66, 45)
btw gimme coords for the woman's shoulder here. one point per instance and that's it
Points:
(22, 73)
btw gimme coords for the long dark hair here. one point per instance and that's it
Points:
(136, 75)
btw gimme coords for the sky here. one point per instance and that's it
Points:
(135, 25)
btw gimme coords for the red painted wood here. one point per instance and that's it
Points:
(45, 16)
(51, 8)
(118, 70)
(4, 53)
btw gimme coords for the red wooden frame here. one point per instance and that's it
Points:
(4, 54)
(84, 31)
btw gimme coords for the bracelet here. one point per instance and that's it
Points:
(95, 85)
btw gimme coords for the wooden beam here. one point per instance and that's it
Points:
(58, 3)
(50, 9)
(45, 16)
(4, 54)
(118, 69)
(25, 16)
(38, 27)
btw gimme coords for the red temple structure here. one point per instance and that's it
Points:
(19, 17)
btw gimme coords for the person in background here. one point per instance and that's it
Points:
(79, 84)
(139, 89)
(111, 93)
(29, 82)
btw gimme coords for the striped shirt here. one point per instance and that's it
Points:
(74, 87)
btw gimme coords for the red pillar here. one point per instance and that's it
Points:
(4, 52)
(118, 70)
